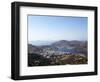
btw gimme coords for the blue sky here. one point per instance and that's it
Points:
(46, 28)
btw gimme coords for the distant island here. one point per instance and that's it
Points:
(61, 52)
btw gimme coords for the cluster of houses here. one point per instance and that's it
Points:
(49, 53)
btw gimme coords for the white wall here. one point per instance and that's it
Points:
(5, 40)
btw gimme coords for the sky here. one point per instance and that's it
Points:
(54, 28)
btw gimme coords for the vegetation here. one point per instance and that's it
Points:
(39, 60)
(58, 53)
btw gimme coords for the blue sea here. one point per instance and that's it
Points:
(71, 50)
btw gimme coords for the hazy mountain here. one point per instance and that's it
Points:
(34, 49)
(40, 43)
(65, 43)
(61, 43)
